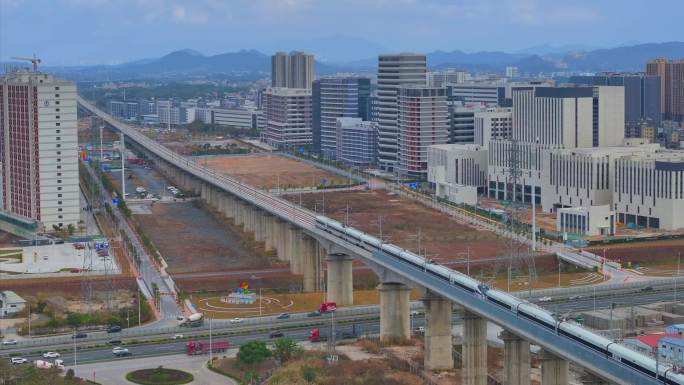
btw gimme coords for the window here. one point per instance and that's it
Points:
(58, 131)
(56, 95)
(58, 124)
(59, 188)
(59, 145)
(59, 181)
(59, 195)
(59, 152)
(56, 109)
(58, 138)
(59, 209)
(57, 117)
(59, 202)
(56, 88)
(56, 101)
(58, 167)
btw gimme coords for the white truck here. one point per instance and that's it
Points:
(195, 319)
(43, 364)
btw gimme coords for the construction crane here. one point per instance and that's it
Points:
(34, 60)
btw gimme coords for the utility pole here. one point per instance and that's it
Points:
(139, 307)
(533, 170)
(123, 176)
(75, 362)
(211, 347)
(679, 257)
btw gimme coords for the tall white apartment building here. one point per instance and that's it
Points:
(287, 117)
(393, 72)
(423, 122)
(39, 148)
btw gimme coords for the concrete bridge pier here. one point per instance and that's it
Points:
(249, 218)
(438, 341)
(268, 221)
(311, 263)
(554, 370)
(228, 207)
(516, 359)
(259, 221)
(340, 288)
(280, 232)
(395, 321)
(295, 249)
(239, 212)
(204, 192)
(474, 350)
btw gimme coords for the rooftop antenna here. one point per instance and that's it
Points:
(34, 60)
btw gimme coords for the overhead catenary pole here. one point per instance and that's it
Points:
(123, 166)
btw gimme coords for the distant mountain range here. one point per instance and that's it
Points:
(252, 63)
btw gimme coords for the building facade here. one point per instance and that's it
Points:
(124, 109)
(492, 123)
(293, 70)
(393, 72)
(488, 94)
(357, 142)
(648, 190)
(442, 78)
(287, 117)
(333, 98)
(642, 96)
(458, 172)
(569, 116)
(39, 148)
(245, 118)
(671, 74)
(423, 122)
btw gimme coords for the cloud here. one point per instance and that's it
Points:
(182, 15)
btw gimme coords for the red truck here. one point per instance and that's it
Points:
(203, 347)
(327, 307)
(315, 336)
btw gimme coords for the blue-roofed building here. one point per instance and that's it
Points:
(671, 349)
(675, 329)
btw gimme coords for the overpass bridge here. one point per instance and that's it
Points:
(305, 240)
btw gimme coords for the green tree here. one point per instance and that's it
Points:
(71, 229)
(285, 348)
(253, 352)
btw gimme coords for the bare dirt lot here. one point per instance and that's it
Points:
(192, 239)
(402, 220)
(654, 253)
(270, 171)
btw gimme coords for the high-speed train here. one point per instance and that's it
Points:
(522, 308)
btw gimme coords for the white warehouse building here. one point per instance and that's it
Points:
(582, 177)
(649, 190)
(458, 172)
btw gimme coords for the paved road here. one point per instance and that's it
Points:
(169, 309)
(114, 373)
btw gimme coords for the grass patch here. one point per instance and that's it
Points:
(159, 376)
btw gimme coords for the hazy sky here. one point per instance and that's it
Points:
(114, 31)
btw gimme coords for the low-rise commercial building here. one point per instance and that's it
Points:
(590, 220)
(458, 172)
(11, 303)
(648, 190)
(246, 118)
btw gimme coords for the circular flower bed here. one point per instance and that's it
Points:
(159, 376)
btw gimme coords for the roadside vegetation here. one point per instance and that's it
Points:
(30, 375)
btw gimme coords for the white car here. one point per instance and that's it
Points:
(177, 336)
(18, 360)
(545, 299)
(236, 321)
(9, 342)
(51, 355)
(119, 351)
